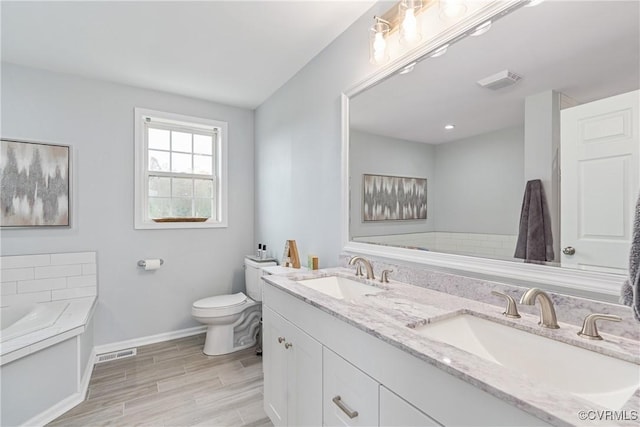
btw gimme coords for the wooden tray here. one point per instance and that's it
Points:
(197, 219)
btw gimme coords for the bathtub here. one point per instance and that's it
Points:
(17, 321)
(33, 339)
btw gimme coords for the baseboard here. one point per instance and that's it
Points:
(45, 417)
(151, 339)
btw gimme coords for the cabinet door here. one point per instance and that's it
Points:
(350, 397)
(304, 385)
(274, 363)
(395, 411)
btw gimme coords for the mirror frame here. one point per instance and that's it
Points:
(604, 286)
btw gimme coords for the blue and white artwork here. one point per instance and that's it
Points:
(393, 198)
(34, 184)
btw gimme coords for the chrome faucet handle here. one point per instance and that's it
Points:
(384, 276)
(589, 329)
(512, 308)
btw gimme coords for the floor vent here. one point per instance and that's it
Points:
(108, 357)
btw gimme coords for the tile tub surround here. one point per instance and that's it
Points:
(387, 314)
(26, 279)
(569, 309)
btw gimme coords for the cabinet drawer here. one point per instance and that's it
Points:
(350, 397)
(395, 411)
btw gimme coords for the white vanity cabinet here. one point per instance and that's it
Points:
(384, 384)
(350, 397)
(397, 412)
(292, 363)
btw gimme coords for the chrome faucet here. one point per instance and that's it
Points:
(367, 266)
(547, 312)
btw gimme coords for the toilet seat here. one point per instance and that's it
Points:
(221, 301)
(221, 305)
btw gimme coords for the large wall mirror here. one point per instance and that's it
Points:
(549, 93)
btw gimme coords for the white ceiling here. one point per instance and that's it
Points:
(585, 49)
(232, 52)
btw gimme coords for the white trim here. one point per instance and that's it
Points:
(141, 222)
(53, 412)
(605, 284)
(151, 339)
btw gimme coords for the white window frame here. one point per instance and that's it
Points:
(141, 196)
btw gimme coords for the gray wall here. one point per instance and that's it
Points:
(96, 119)
(480, 183)
(298, 148)
(380, 155)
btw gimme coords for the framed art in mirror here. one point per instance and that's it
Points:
(34, 184)
(393, 198)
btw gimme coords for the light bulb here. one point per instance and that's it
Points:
(378, 44)
(409, 27)
(450, 9)
(379, 48)
(409, 31)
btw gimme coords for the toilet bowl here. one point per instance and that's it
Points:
(233, 321)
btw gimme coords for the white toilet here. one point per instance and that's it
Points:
(233, 320)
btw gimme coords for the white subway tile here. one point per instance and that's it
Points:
(22, 261)
(89, 269)
(73, 293)
(73, 258)
(15, 274)
(41, 285)
(8, 288)
(58, 271)
(81, 281)
(29, 298)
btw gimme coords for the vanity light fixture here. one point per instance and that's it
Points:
(451, 9)
(439, 51)
(450, 127)
(409, 31)
(378, 52)
(481, 29)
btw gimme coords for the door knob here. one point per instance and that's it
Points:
(569, 250)
(281, 339)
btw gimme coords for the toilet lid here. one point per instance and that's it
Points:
(221, 301)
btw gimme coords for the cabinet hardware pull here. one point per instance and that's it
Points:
(338, 401)
(281, 339)
(288, 345)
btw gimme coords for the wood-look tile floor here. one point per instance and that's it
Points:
(173, 384)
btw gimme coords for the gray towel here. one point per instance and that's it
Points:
(630, 293)
(535, 241)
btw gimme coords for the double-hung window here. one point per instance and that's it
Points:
(180, 171)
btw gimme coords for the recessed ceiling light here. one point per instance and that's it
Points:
(450, 127)
(481, 29)
(409, 68)
(439, 51)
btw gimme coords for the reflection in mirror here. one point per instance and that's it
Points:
(547, 88)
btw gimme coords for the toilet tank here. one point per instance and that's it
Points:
(253, 277)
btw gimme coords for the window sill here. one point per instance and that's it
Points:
(151, 225)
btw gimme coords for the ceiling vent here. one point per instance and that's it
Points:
(499, 80)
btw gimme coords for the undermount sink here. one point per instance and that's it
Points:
(600, 379)
(340, 287)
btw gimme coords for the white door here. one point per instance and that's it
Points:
(600, 178)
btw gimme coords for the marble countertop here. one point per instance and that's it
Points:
(391, 314)
(71, 322)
